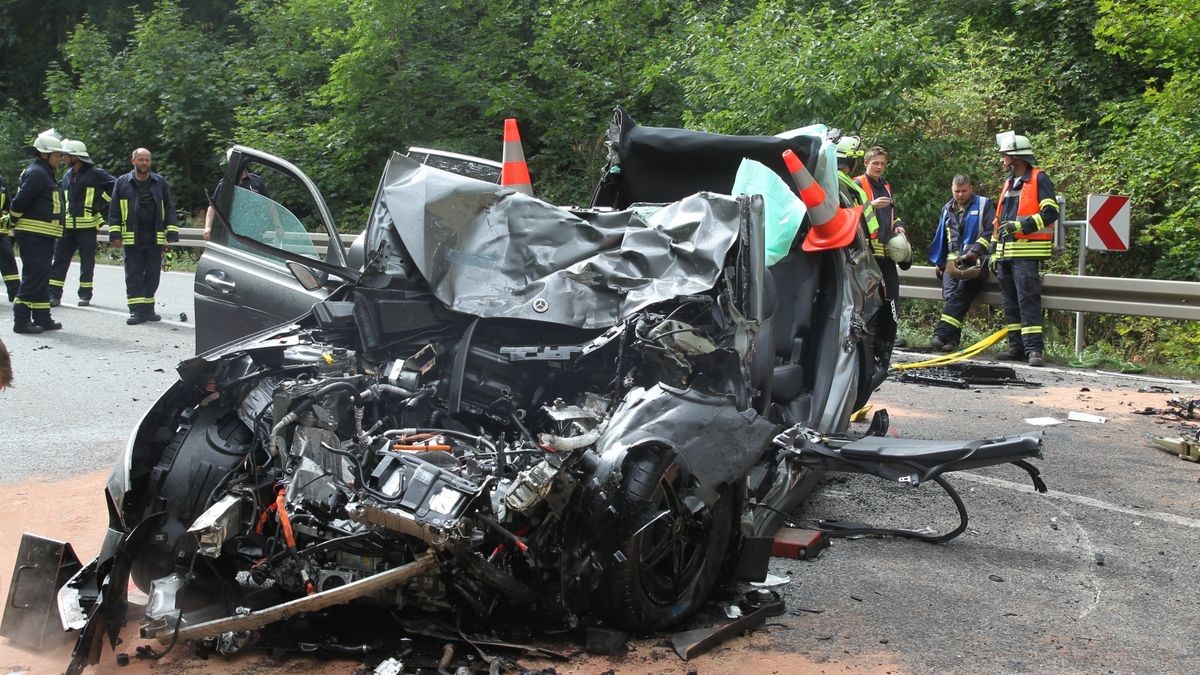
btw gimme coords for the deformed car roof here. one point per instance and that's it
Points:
(488, 251)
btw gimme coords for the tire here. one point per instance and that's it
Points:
(668, 568)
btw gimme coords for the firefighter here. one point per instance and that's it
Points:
(8, 262)
(878, 193)
(964, 218)
(1022, 236)
(87, 188)
(141, 219)
(37, 220)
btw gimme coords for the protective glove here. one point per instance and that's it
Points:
(172, 237)
(1009, 227)
(939, 272)
(966, 260)
(1028, 226)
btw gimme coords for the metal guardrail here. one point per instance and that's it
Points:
(1096, 295)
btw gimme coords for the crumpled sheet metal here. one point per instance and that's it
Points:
(491, 252)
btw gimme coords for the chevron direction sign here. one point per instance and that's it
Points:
(1108, 223)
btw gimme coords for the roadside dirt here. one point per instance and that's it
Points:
(73, 510)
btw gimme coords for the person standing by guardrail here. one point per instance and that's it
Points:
(37, 218)
(247, 181)
(964, 218)
(141, 219)
(888, 225)
(1023, 236)
(87, 188)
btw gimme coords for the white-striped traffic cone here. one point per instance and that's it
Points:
(832, 227)
(515, 174)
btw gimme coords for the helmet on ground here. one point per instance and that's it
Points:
(46, 142)
(76, 149)
(898, 249)
(1016, 146)
(849, 147)
(965, 273)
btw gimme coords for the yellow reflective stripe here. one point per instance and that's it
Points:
(951, 320)
(139, 301)
(57, 283)
(89, 194)
(12, 277)
(1013, 327)
(31, 304)
(1031, 330)
(1048, 202)
(16, 215)
(1037, 220)
(87, 284)
(1024, 248)
(877, 249)
(49, 229)
(55, 204)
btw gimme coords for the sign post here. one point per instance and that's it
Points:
(1108, 223)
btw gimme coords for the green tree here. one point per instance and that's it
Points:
(167, 91)
(1155, 135)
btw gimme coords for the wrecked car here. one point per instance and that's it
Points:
(510, 408)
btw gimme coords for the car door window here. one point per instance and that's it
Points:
(273, 208)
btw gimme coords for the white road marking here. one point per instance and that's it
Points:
(1161, 516)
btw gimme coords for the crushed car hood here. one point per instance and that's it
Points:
(491, 252)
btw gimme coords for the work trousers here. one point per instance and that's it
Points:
(891, 286)
(957, 294)
(8, 267)
(1021, 289)
(33, 296)
(84, 241)
(143, 267)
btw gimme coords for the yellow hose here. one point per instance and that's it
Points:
(959, 355)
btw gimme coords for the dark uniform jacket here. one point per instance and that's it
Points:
(87, 193)
(37, 206)
(124, 205)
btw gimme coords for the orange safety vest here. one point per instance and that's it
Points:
(866, 187)
(1027, 205)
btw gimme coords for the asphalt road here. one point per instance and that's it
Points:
(79, 391)
(1022, 591)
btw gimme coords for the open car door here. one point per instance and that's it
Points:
(243, 287)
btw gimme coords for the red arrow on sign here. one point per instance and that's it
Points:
(1101, 222)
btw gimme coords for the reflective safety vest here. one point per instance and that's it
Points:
(1038, 244)
(37, 206)
(864, 186)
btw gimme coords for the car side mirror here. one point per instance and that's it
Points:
(309, 278)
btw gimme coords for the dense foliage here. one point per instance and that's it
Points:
(1106, 89)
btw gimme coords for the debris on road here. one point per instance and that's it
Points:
(966, 375)
(1184, 448)
(1042, 421)
(1076, 416)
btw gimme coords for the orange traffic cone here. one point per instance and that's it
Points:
(515, 174)
(832, 227)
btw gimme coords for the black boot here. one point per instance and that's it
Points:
(85, 299)
(135, 318)
(1013, 354)
(27, 327)
(47, 324)
(55, 300)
